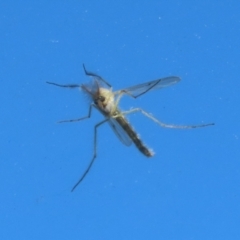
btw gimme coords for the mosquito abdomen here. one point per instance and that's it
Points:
(134, 136)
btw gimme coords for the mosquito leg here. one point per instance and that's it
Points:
(94, 154)
(164, 124)
(65, 86)
(120, 94)
(95, 75)
(79, 119)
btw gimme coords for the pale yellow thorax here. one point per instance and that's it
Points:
(106, 101)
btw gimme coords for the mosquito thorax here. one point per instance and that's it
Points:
(104, 99)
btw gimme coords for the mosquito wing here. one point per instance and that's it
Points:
(140, 89)
(119, 131)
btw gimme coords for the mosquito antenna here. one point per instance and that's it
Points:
(95, 75)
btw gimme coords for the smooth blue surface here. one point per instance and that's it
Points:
(189, 190)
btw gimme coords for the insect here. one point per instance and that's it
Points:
(106, 101)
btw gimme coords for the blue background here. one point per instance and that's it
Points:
(189, 190)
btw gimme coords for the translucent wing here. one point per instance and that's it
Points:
(121, 134)
(140, 89)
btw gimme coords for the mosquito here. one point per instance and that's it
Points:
(106, 101)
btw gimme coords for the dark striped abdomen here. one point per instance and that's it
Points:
(133, 135)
